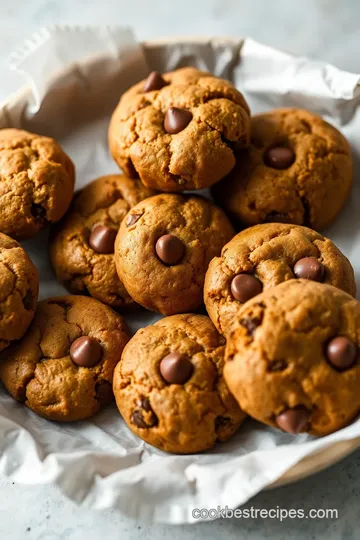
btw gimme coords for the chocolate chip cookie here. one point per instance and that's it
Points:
(37, 182)
(169, 386)
(298, 170)
(163, 249)
(179, 130)
(293, 359)
(82, 244)
(63, 367)
(263, 256)
(19, 288)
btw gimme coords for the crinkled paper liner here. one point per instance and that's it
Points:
(74, 77)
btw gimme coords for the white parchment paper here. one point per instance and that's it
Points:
(74, 77)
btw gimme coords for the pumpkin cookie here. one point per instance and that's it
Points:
(19, 288)
(298, 170)
(37, 182)
(169, 386)
(63, 367)
(263, 256)
(82, 245)
(179, 130)
(293, 359)
(163, 249)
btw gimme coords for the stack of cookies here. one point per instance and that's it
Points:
(281, 340)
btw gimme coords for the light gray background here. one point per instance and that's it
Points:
(322, 29)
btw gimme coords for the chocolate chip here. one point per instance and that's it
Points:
(221, 421)
(28, 300)
(293, 420)
(144, 417)
(279, 157)
(138, 420)
(86, 351)
(144, 403)
(176, 120)
(132, 219)
(251, 324)
(102, 239)
(104, 393)
(154, 82)
(176, 368)
(277, 365)
(244, 286)
(309, 268)
(341, 353)
(169, 249)
(38, 212)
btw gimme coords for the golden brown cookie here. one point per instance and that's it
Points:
(63, 367)
(298, 170)
(37, 182)
(82, 244)
(163, 249)
(179, 130)
(263, 256)
(19, 288)
(293, 359)
(169, 386)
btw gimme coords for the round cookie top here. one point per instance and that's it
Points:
(37, 182)
(263, 256)
(19, 288)
(179, 130)
(63, 367)
(169, 386)
(293, 359)
(82, 244)
(298, 170)
(163, 249)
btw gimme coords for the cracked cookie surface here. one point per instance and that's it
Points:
(279, 358)
(298, 170)
(198, 155)
(40, 371)
(19, 288)
(77, 260)
(270, 253)
(186, 417)
(37, 182)
(163, 249)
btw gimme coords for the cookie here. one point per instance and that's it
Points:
(163, 249)
(293, 360)
(298, 170)
(19, 288)
(179, 130)
(37, 182)
(169, 386)
(63, 367)
(263, 256)
(82, 245)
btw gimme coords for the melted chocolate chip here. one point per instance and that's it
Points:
(341, 353)
(244, 286)
(169, 249)
(86, 351)
(176, 368)
(154, 82)
(132, 219)
(279, 157)
(309, 268)
(102, 239)
(176, 120)
(293, 420)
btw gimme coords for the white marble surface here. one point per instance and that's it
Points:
(323, 29)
